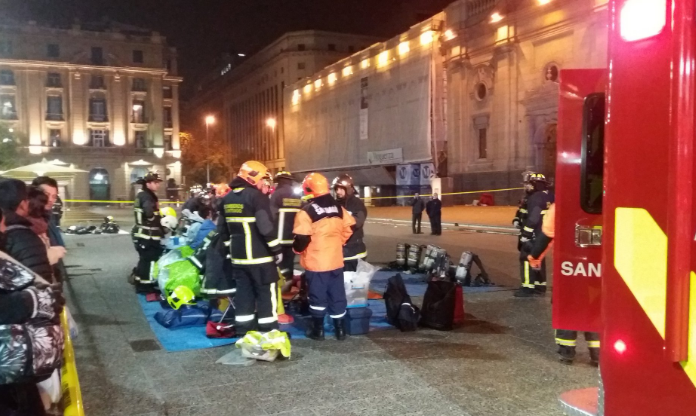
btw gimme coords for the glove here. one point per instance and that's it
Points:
(42, 302)
(534, 263)
(55, 253)
(524, 240)
(279, 258)
(516, 223)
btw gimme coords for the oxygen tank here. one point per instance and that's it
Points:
(401, 254)
(414, 252)
(464, 265)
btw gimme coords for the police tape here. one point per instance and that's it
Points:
(448, 193)
(96, 201)
(373, 197)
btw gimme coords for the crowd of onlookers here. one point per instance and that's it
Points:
(30, 241)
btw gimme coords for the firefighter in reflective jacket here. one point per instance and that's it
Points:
(565, 339)
(245, 220)
(285, 204)
(345, 195)
(521, 214)
(321, 229)
(533, 281)
(147, 232)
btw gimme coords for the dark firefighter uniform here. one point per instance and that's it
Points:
(245, 220)
(321, 229)
(538, 202)
(355, 248)
(147, 233)
(285, 205)
(566, 339)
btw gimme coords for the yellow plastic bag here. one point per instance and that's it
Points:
(265, 345)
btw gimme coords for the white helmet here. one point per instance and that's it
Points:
(169, 222)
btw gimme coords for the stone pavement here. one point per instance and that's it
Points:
(501, 362)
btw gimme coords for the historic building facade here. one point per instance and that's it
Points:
(100, 97)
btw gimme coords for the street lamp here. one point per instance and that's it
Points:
(208, 121)
(271, 122)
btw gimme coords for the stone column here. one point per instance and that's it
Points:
(175, 117)
(156, 112)
(78, 109)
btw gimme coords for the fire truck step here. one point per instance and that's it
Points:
(580, 402)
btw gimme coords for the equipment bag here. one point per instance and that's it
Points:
(401, 312)
(440, 304)
(188, 316)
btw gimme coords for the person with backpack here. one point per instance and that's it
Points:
(321, 229)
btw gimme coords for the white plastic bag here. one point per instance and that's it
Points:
(72, 325)
(357, 284)
(50, 390)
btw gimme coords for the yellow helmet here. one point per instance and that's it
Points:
(168, 212)
(182, 295)
(253, 171)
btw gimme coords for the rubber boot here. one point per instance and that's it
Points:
(540, 290)
(566, 354)
(594, 356)
(315, 330)
(340, 326)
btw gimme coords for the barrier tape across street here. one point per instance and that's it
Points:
(374, 197)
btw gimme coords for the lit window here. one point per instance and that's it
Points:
(496, 17)
(449, 34)
(383, 58)
(347, 71)
(404, 48)
(296, 97)
(365, 63)
(308, 88)
(426, 38)
(332, 78)
(317, 84)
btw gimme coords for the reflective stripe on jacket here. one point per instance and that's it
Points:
(147, 216)
(328, 227)
(245, 221)
(284, 206)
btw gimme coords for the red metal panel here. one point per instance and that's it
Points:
(643, 381)
(576, 294)
(681, 184)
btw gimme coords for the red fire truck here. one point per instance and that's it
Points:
(625, 214)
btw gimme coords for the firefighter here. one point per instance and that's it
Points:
(321, 229)
(565, 339)
(285, 204)
(345, 196)
(533, 281)
(521, 214)
(245, 220)
(147, 232)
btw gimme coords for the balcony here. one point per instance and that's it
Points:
(168, 124)
(54, 117)
(98, 118)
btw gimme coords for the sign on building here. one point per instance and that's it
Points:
(385, 157)
(427, 173)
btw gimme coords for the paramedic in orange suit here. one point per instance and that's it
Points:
(321, 230)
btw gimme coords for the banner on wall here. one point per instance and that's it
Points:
(427, 173)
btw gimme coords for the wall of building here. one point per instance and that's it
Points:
(516, 60)
(247, 99)
(66, 70)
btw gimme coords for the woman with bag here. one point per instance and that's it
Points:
(31, 339)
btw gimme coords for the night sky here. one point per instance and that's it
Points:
(203, 29)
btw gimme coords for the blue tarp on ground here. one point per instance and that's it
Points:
(194, 338)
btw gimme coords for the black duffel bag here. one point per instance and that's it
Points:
(401, 312)
(439, 305)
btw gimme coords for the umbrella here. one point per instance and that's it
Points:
(42, 168)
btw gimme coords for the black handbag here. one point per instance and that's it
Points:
(401, 312)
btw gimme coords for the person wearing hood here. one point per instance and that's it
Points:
(200, 230)
(147, 232)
